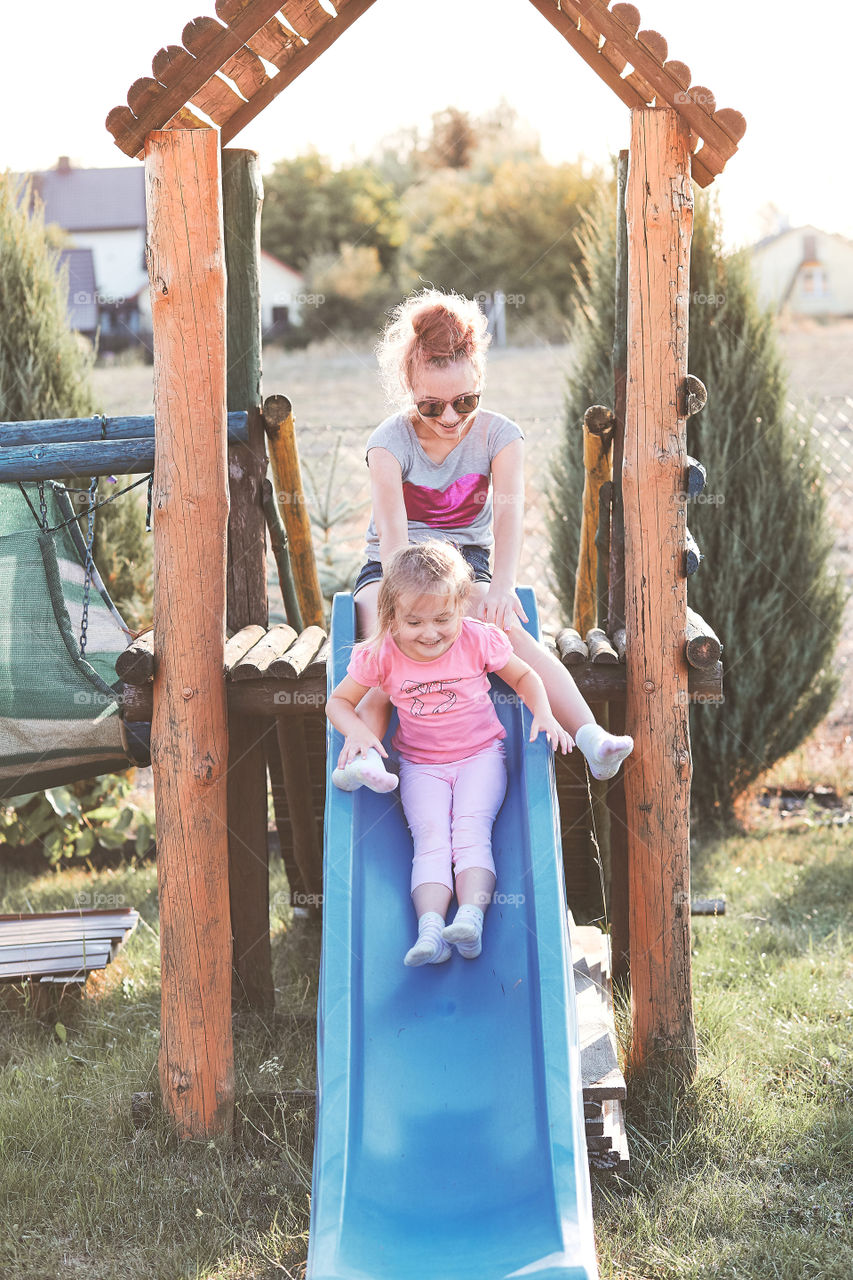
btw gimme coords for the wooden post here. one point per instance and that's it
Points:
(657, 777)
(248, 857)
(281, 433)
(616, 590)
(189, 753)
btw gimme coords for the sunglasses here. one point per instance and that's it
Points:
(435, 408)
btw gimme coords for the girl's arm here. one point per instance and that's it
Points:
(529, 687)
(389, 509)
(341, 710)
(501, 603)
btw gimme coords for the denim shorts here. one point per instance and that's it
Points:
(476, 557)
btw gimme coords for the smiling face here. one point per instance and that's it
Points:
(425, 626)
(430, 383)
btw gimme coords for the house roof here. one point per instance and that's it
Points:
(220, 70)
(82, 294)
(92, 199)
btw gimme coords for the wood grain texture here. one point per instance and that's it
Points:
(659, 208)
(248, 854)
(290, 497)
(186, 263)
(596, 461)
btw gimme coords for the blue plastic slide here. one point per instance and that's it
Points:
(450, 1135)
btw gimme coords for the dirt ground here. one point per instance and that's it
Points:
(337, 402)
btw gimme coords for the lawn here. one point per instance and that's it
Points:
(746, 1175)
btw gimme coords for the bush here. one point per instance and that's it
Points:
(765, 585)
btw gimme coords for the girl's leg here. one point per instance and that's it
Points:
(478, 793)
(603, 751)
(374, 709)
(426, 796)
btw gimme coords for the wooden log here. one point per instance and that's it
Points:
(616, 574)
(600, 648)
(278, 544)
(175, 68)
(98, 429)
(282, 818)
(596, 461)
(248, 854)
(602, 551)
(657, 782)
(296, 659)
(189, 734)
(244, 67)
(692, 555)
(571, 647)
(696, 395)
(696, 477)
(240, 643)
(255, 664)
(290, 496)
(79, 460)
(136, 664)
(702, 649)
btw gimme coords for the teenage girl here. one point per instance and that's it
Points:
(445, 467)
(432, 662)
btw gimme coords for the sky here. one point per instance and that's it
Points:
(783, 66)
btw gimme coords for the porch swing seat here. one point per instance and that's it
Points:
(59, 711)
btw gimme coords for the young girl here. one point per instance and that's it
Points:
(443, 467)
(432, 662)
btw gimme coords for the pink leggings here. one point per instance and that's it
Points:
(451, 809)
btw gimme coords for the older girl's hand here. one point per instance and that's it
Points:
(502, 606)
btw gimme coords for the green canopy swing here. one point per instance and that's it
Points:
(60, 636)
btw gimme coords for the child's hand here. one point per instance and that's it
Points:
(501, 607)
(554, 732)
(358, 744)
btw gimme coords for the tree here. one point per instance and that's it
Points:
(310, 208)
(44, 373)
(765, 584)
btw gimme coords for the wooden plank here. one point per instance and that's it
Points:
(132, 138)
(111, 929)
(296, 62)
(657, 785)
(189, 738)
(596, 462)
(244, 67)
(646, 66)
(255, 664)
(290, 496)
(601, 651)
(568, 30)
(247, 605)
(264, 697)
(295, 661)
(98, 429)
(571, 647)
(174, 66)
(307, 850)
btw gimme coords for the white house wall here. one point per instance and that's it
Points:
(119, 258)
(776, 263)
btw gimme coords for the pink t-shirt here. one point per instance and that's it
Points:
(454, 686)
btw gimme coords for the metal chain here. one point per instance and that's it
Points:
(87, 581)
(42, 503)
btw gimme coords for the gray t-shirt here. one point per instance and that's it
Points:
(452, 499)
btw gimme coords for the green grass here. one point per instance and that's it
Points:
(745, 1175)
(748, 1173)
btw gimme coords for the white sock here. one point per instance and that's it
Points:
(466, 932)
(365, 771)
(430, 947)
(604, 751)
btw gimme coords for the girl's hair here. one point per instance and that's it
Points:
(430, 328)
(427, 568)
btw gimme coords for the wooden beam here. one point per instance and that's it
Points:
(189, 750)
(659, 208)
(290, 497)
(65, 430)
(248, 855)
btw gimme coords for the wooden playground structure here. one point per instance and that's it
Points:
(222, 709)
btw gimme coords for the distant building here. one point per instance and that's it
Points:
(103, 211)
(803, 271)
